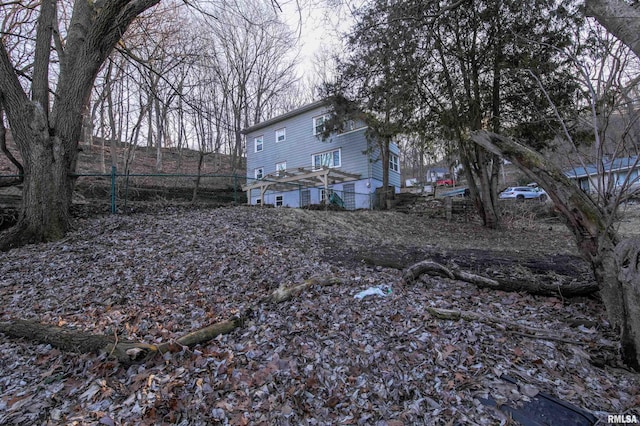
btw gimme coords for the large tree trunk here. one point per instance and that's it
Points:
(48, 138)
(596, 239)
(619, 18)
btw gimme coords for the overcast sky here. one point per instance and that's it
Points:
(319, 27)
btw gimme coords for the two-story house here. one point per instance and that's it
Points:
(288, 163)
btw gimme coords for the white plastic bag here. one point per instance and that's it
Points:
(379, 291)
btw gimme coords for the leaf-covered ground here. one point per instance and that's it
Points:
(322, 358)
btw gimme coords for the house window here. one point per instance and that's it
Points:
(348, 126)
(281, 135)
(319, 123)
(258, 143)
(258, 201)
(279, 200)
(326, 159)
(306, 198)
(281, 167)
(259, 172)
(394, 163)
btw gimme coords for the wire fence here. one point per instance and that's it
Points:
(123, 192)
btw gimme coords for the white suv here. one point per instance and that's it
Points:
(523, 192)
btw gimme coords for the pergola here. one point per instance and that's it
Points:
(283, 180)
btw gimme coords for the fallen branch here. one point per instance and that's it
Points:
(544, 286)
(125, 351)
(129, 352)
(412, 273)
(283, 293)
(503, 324)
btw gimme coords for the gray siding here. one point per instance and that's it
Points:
(301, 144)
(376, 166)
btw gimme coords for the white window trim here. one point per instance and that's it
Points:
(281, 166)
(394, 166)
(331, 166)
(279, 199)
(255, 172)
(284, 134)
(325, 117)
(255, 143)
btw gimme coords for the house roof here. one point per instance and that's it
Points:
(608, 166)
(292, 113)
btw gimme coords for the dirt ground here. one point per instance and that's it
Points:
(324, 357)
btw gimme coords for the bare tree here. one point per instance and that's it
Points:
(252, 59)
(603, 136)
(47, 131)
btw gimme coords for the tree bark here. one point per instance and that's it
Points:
(628, 257)
(502, 323)
(8, 154)
(48, 138)
(127, 351)
(596, 239)
(534, 285)
(619, 18)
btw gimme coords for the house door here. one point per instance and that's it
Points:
(305, 198)
(349, 196)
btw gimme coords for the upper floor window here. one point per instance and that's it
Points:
(394, 163)
(348, 126)
(259, 172)
(281, 135)
(282, 166)
(259, 143)
(326, 159)
(319, 123)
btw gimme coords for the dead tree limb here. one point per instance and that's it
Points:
(283, 293)
(129, 352)
(534, 285)
(506, 325)
(413, 272)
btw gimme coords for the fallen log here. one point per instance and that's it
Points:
(129, 352)
(283, 292)
(504, 324)
(125, 351)
(544, 286)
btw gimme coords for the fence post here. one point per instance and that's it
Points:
(113, 189)
(235, 189)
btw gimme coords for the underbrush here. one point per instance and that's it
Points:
(528, 214)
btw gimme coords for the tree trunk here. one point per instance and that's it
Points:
(48, 138)
(8, 154)
(619, 18)
(127, 351)
(47, 188)
(627, 255)
(194, 197)
(596, 239)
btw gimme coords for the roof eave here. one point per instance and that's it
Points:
(292, 113)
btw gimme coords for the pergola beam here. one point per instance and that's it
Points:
(283, 179)
(306, 176)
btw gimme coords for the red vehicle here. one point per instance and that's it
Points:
(445, 182)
